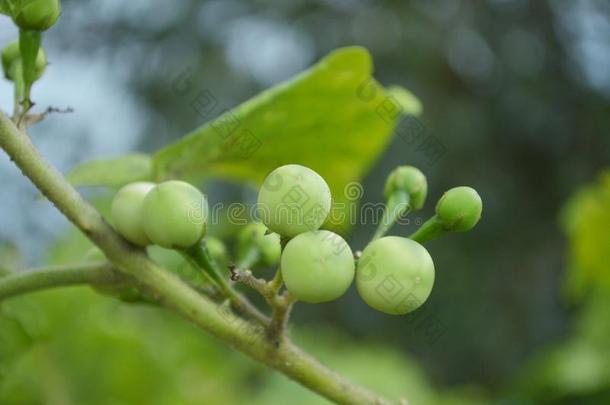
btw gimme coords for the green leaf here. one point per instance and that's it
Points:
(113, 172)
(334, 118)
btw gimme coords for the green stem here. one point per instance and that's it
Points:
(17, 74)
(29, 45)
(199, 257)
(58, 276)
(282, 305)
(249, 258)
(168, 289)
(431, 229)
(397, 206)
(276, 282)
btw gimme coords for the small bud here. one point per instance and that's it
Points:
(410, 180)
(217, 250)
(459, 209)
(255, 236)
(38, 15)
(11, 58)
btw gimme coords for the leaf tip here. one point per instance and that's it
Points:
(350, 57)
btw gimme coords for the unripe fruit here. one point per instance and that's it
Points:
(293, 199)
(254, 236)
(410, 180)
(459, 209)
(167, 258)
(217, 250)
(11, 58)
(395, 275)
(175, 215)
(317, 266)
(126, 212)
(38, 15)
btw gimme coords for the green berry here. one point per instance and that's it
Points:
(293, 199)
(175, 215)
(217, 250)
(317, 266)
(167, 258)
(459, 209)
(395, 275)
(410, 180)
(38, 15)
(255, 236)
(126, 212)
(11, 61)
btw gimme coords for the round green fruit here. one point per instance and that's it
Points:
(410, 180)
(395, 275)
(38, 15)
(126, 212)
(293, 199)
(459, 209)
(11, 61)
(175, 215)
(217, 250)
(317, 266)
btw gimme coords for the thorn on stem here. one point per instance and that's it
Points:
(234, 272)
(51, 110)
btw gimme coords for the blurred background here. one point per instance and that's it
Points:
(518, 94)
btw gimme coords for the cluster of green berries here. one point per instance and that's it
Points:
(393, 274)
(172, 214)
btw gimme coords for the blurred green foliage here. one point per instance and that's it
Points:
(586, 222)
(577, 369)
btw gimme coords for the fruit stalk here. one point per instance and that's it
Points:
(398, 205)
(29, 45)
(200, 258)
(249, 258)
(429, 230)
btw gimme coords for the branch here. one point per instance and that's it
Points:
(168, 289)
(281, 304)
(51, 277)
(199, 258)
(281, 312)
